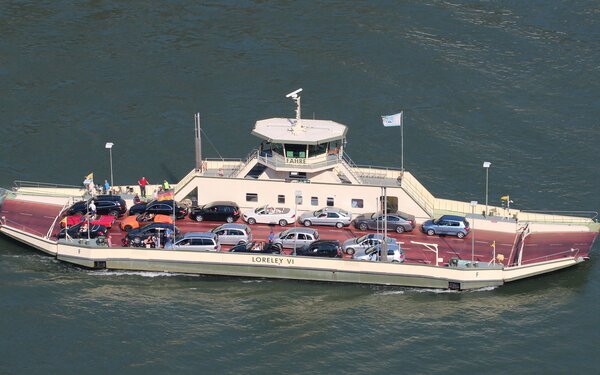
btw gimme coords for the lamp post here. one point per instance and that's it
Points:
(486, 165)
(473, 205)
(297, 201)
(109, 147)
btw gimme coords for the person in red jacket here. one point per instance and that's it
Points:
(143, 182)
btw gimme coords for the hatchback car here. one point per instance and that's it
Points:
(216, 211)
(373, 254)
(322, 248)
(296, 237)
(196, 241)
(159, 207)
(257, 248)
(447, 224)
(233, 234)
(352, 245)
(105, 205)
(399, 221)
(326, 216)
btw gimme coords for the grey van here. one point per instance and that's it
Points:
(196, 241)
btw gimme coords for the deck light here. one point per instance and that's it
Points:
(109, 146)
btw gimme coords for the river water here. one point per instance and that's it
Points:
(513, 83)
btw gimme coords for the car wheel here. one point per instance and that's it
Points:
(339, 225)
(350, 251)
(114, 213)
(307, 223)
(199, 218)
(395, 261)
(137, 241)
(127, 228)
(251, 220)
(363, 226)
(229, 219)
(460, 235)
(399, 229)
(278, 248)
(242, 242)
(283, 222)
(430, 232)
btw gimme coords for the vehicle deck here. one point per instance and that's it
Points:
(37, 218)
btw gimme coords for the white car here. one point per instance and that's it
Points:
(373, 254)
(269, 215)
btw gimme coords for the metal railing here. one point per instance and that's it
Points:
(20, 184)
(20, 227)
(572, 252)
(547, 216)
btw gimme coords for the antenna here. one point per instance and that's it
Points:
(294, 95)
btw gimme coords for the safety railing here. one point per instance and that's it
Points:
(21, 227)
(569, 217)
(571, 253)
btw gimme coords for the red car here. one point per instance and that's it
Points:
(104, 220)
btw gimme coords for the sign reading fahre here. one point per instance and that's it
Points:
(295, 160)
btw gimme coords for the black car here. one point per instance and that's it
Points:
(216, 211)
(136, 236)
(398, 221)
(256, 248)
(81, 231)
(322, 248)
(159, 207)
(105, 205)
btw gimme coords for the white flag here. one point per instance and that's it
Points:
(393, 120)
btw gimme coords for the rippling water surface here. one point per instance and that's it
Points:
(513, 83)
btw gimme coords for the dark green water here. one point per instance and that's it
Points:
(513, 83)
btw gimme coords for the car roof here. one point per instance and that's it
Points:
(301, 230)
(222, 203)
(199, 235)
(324, 241)
(232, 226)
(453, 217)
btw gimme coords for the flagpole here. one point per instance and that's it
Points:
(402, 139)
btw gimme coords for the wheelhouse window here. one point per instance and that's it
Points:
(357, 203)
(316, 150)
(251, 197)
(295, 151)
(330, 202)
(314, 201)
(281, 199)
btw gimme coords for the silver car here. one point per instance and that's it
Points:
(373, 254)
(352, 245)
(327, 216)
(296, 237)
(233, 233)
(196, 241)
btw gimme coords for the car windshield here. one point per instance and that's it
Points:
(345, 213)
(317, 213)
(284, 233)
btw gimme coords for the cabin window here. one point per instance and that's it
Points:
(316, 150)
(330, 201)
(295, 151)
(357, 203)
(314, 201)
(392, 204)
(281, 199)
(251, 197)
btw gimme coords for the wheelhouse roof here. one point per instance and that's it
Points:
(312, 132)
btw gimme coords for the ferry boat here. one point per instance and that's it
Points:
(302, 164)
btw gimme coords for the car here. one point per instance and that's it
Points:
(326, 216)
(196, 241)
(257, 248)
(296, 237)
(159, 207)
(105, 205)
(81, 231)
(135, 236)
(145, 218)
(216, 211)
(269, 215)
(398, 221)
(352, 245)
(104, 220)
(233, 234)
(447, 224)
(322, 248)
(373, 254)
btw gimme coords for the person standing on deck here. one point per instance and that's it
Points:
(165, 185)
(92, 209)
(106, 187)
(271, 236)
(143, 182)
